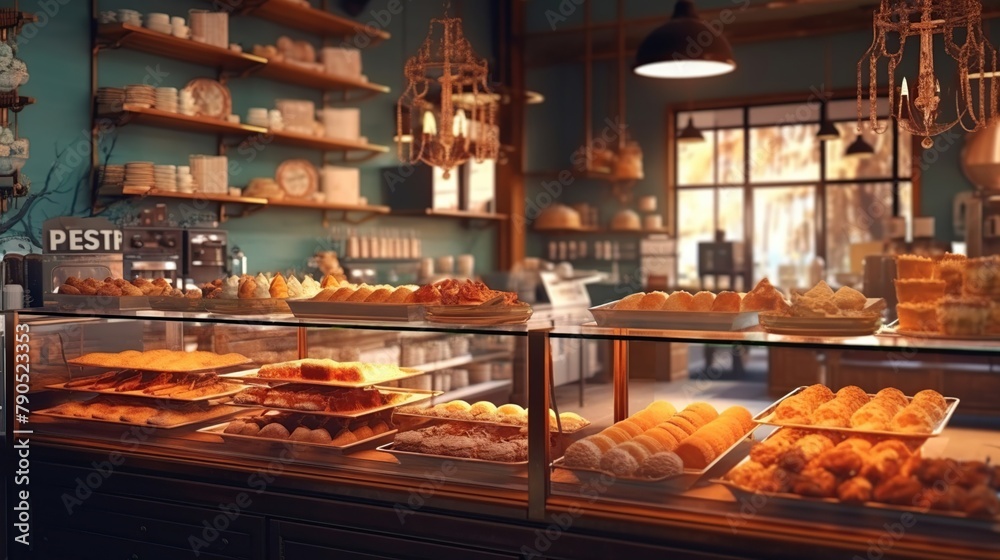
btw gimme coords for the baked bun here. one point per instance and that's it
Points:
(678, 301)
(703, 301)
(380, 295)
(630, 303)
(727, 302)
(652, 301)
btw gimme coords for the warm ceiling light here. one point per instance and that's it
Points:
(675, 50)
(859, 148)
(691, 133)
(827, 130)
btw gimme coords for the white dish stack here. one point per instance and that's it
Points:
(159, 23)
(344, 124)
(179, 28)
(185, 106)
(257, 116)
(185, 181)
(297, 115)
(211, 28)
(130, 17)
(341, 185)
(165, 177)
(211, 174)
(166, 99)
(339, 61)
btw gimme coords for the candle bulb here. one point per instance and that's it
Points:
(430, 124)
(905, 90)
(461, 125)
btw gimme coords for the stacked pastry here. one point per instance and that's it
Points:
(266, 286)
(173, 361)
(486, 443)
(119, 287)
(318, 399)
(955, 295)
(462, 292)
(851, 407)
(308, 429)
(485, 411)
(858, 470)
(764, 297)
(117, 410)
(312, 369)
(659, 442)
(167, 385)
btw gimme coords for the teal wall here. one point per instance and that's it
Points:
(777, 67)
(58, 59)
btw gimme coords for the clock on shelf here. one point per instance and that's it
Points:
(298, 178)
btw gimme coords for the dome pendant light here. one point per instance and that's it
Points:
(691, 133)
(684, 47)
(859, 149)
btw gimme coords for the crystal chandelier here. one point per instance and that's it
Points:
(960, 27)
(447, 103)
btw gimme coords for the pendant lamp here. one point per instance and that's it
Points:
(684, 47)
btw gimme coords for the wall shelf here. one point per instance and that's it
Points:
(454, 214)
(601, 231)
(133, 114)
(291, 73)
(123, 35)
(305, 18)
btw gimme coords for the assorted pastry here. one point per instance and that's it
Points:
(266, 286)
(658, 441)
(889, 410)
(307, 429)
(466, 441)
(858, 470)
(954, 295)
(164, 385)
(119, 287)
(310, 398)
(445, 292)
(485, 411)
(822, 301)
(169, 361)
(764, 297)
(117, 410)
(324, 370)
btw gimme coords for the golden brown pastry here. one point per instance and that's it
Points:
(248, 287)
(400, 295)
(342, 294)
(764, 297)
(361, 294)
(703, 301)
(678, 301)
(815, 483)
(629, 303)
(279, 288)
(110, 290)
(882, 466)
(900, 490)
(856, 490)
(379, 296)
(727, 302)
(696, 452)
(329, 281)
(652, 301)
(66, 289)
(844, 462)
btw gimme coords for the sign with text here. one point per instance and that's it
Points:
(81, 236)
(565, 293)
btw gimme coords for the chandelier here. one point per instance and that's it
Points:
(447, 107)
(960, 27)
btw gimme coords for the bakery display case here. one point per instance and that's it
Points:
(355, 427)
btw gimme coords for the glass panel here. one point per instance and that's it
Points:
(730, 156)
(695, 224)
(731, 213)
(784, 153)
(784, 241)
(695, 160)
(856, 216)
(878, 166)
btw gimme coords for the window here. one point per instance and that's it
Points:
(761, 170)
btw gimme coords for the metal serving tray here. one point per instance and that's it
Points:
(223, 412)
(249, 376)
(821, 326)
(607, 316)
(765, 417)
(62, 387)
(424, 417)
(97, 303)
(308, 309)
(77, 363)
(259, 442)
(467, 469)
(413, 396)
(479, 314)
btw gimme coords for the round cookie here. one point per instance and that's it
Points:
(650, 443)
(660, 411)
(742, 415)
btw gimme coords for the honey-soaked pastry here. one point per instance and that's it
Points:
(815, 483)
(702, 302)
(652, 301)
(661, 465)
(706, 411)
(587, 452)
(678, 301)
(727, 302)
(899, 490)
(856, 490)
(628, 303)
(696, 452)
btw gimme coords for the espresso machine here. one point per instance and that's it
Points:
(206, 255)
(981, 164)
(153, 252)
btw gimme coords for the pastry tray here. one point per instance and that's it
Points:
(470, 469)
(224, 411)
(249, 376)
(764, 417)
(414, 396)
(97, 303)
(683, 481)
(182, 304)
(607, 316)
(363, 445)
(552, 427)
(821, 326)
(213, 369)
(479, 314)
(270, 306)
(62, 387)
(938, 336)
(308, 309)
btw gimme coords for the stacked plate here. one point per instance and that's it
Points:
(210, 27)
(159, 22)
(211, 174)
(111, 177)
(130, 17)
(185, 181)
(144, 96)
(139, 174)
(166, 99)
(110, 100)
(165, 177)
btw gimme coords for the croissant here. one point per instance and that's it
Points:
(279, 288)
(247, 287)
(329, 281)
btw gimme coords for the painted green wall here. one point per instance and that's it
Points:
(57, 54)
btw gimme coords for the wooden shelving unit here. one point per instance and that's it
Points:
(305, 18)
(134, 114)
(601, 231)
(123, 35)
(291, 73)
(454, 214)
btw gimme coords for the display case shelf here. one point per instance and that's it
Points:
(306, 18)
(473, 392)
(123, 35)
(463, 361)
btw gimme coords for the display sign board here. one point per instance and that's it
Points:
(75, 236)
(566, 292)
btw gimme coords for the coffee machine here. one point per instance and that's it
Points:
(982, 224)
(981, 164)
(152, 252)
(206, 255)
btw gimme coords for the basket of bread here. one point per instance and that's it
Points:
(821, 311)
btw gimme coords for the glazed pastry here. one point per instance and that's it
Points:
(279, 288)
